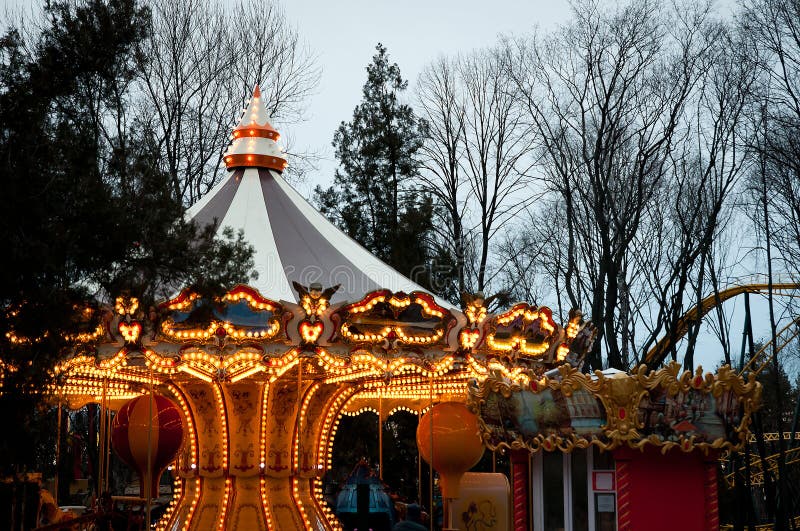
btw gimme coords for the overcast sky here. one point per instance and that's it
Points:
(343, 35)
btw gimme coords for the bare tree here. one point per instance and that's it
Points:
(635, 109)
(527, 263)
(478, 154)
(497, 148)
(200, 63)
(439, 104)
(773, 27)
(704, 177)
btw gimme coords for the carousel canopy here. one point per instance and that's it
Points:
(292, 240)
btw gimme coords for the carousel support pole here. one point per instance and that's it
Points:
(299, 381)
(419, 464)
(102, 443)
(107, 448)
(148, 475)
(710, 491)
(530, 491)
(494, 461)
(58, 451)
(432, 518)
(380, 435)
(296, 465)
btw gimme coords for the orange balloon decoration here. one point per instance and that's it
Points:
(129, 437)
(456, 445)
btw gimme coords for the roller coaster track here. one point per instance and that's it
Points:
(757, 469)
(782, 339)
(762, 527)
(659, 352)
(772, 437)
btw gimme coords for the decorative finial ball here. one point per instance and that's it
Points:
(448, 438)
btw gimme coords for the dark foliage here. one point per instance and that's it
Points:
(85, 211)
(776, 415)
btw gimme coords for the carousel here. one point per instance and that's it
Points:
(242, 395)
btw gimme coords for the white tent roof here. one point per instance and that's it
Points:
(292, 240)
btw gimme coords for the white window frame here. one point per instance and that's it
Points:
(537, 491)
(590, 487)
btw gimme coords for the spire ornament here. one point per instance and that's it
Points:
(255, 140)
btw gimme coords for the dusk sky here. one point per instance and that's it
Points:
(343, 36)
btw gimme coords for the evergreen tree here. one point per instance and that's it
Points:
(773, 417)
(85, 211)
(374, 198)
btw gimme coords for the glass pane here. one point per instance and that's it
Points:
(602, 460)
(553, 490)
(605, 511)
(580, 500)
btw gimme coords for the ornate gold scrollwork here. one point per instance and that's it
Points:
(621, 396)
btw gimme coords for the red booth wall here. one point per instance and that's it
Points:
(666, 492)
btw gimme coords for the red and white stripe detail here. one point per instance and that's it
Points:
(623, 496)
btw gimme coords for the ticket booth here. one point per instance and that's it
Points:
(615, 452)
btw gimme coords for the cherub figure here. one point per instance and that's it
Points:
(580, 337)
(476, 305)
(313, 299)
(575, 322)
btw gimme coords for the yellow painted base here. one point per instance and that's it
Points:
(252, 456)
